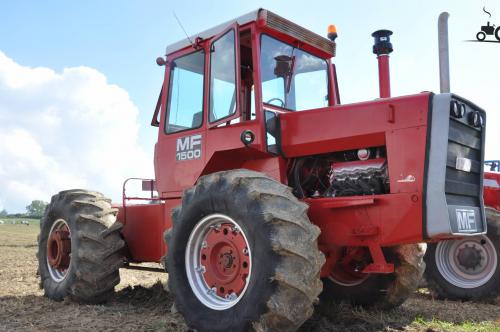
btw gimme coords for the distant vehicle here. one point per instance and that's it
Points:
(493, 165)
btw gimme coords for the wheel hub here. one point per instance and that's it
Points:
(224, 259)
(59, 250)
(348, 271)
(218, 261)
(470, 256)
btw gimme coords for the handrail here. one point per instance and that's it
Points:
(151, 189)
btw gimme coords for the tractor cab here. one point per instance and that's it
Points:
(226, 85)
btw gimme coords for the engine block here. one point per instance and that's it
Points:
(354, 178)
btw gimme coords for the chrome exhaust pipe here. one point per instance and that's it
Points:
(444, 53)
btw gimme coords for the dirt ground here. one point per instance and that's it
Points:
(141, 304)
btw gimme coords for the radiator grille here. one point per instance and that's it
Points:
(464, 141)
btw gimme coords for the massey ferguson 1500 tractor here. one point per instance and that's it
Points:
(469, 268)
(271, 193)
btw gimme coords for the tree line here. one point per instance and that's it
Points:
(34, 210)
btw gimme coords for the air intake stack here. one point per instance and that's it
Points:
(382, 48)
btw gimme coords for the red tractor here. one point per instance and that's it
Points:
(469, 268)
(270, 191)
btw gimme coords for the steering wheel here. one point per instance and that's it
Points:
(276, 99)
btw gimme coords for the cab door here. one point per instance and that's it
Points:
(224, 116)
(180, 151)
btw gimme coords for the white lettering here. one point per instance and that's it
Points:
(466, 220)
(188, 147)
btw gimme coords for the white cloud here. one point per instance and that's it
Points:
(64, 130)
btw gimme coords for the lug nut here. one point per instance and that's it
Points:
(215, 227)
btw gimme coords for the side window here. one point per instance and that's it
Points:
(223, 77)
(185, 97)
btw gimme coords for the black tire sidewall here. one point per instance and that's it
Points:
(248, 216)
(447, 290)
(482, 34)
(57, 210)
(497, 33)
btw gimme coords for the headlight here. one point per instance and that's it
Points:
(476, 119)
(457, 109)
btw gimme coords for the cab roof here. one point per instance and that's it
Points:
(269, 19)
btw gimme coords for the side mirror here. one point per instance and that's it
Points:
(284, 69)
(283, 66)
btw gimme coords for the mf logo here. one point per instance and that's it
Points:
(188, 148)
(466, 220)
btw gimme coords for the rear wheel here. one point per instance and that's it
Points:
(348, 284)
(497, 33)
(466, 269)
(79, 247)
(243, 255)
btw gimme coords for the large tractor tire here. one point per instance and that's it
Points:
(79, 247)
(243, 255)
(466, 269)
(378, 291)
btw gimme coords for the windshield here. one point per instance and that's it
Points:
(292, 78)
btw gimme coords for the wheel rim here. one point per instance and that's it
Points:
(467, 263)
(218, 261)
(348, 271)
(59, 250)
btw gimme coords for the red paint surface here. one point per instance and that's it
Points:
(491, 193)
(384, 76)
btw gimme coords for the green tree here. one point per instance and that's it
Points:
(36, 208)
(3, 213)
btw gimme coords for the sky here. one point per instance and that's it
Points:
(79, 82)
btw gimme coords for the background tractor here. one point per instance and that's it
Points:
(270, 192)
(468, 268)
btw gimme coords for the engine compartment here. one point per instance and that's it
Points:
(340, 174)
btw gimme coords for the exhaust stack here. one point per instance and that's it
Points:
(382, 48)
(444, 54)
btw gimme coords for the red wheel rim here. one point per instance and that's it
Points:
(59, 250)
(348, 271)
(218, 261)
(227, 265)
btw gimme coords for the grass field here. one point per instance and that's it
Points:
(141, 304)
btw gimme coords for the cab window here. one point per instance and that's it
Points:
(292, 78)
(223, 77)
(185, 97)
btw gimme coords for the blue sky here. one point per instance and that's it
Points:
(121, 40)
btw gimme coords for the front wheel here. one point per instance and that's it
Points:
(242, 255)
(466, 269)
(481, 36)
